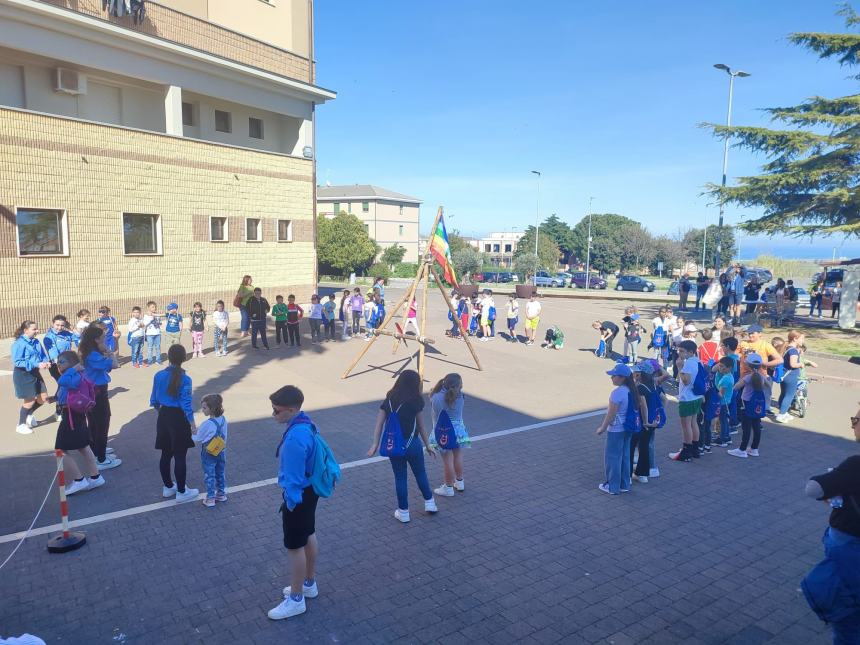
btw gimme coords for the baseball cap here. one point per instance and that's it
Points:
(620, 369)
(755, 329)
(690, 327)
(172, 305)
(646, 367)
(753, 359)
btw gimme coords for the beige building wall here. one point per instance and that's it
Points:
(283, 23)
(387, 222)
(95, 173)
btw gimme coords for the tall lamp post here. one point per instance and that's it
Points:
(732, 76)
(537, 211)
(588, 252)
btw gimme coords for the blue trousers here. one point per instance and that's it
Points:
(415, 460)
(814, 302)
(787, 390)
(137, 351)
(616, 461)
(734, 407)
(153, 349)
(244, 319)
(213, 472)
(724, 423)
(845, 632)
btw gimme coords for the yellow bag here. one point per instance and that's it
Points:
(215, 446)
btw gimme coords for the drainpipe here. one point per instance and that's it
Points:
(313, 136)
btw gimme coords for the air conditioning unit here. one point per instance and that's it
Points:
(69, 81)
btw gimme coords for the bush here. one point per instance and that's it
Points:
(405, 270)
(379, 270)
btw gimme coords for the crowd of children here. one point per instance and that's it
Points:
(476, 315)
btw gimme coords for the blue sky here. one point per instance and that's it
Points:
(456, 102)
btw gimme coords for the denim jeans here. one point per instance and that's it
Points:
(220, 340)
(814, 302)
(244, 318)
(724, 423)
(356, 323)
(316, 325)
(259, 327)
(153, 349)
(616, 461)
(415, 459)
(213, 472)
(734, 408)
(845, 632)
(661, 354)
(787, 390)
(137, 351)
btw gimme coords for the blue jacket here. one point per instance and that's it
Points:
(69, 380)
(28, 353)
(160, 396)
(56, 344)
(173, 323)
(96, 368)
(296, 459)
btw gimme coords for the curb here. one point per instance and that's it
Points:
(835, 357)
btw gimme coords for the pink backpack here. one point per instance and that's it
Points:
(83, 398)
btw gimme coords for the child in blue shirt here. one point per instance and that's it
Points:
(173, 325)
(111, 332)
(724, 383)
(57, 340)
(295, 455)
(28, 357)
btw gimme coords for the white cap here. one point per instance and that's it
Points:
(690, 327)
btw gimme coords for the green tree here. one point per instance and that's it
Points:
(607, 245)
(343, 245)
(693, 240)
(668, 251)
(466, 261)
(392, 255)
(548, 251)
(809, 184)
(637, 245)
(526, 265)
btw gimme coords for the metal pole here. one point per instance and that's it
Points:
(705, 246)
(537, 212)
(588, 253)
(717, 262)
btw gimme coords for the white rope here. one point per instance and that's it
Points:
(33, 523)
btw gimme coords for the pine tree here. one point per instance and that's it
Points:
(809, 186)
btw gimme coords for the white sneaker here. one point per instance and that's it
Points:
(168, 492)
(783, 418)
(753, 452)
(95, 483)
(402, 516)
(59, 417)
(444, 491)
(309, 592)
(77, 486)
(189, 495)
(737, 452)
(109, 451)
(430, 506)
(654, 472)
(23, 428)
(642, 479)
(31, 421)
(459, 485)
(108, 463)
(287, 609)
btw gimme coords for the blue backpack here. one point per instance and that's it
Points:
(778, 373)
(757, 406)
(491, 315)
(600, 352)
(326, 471)
(700, 383)
(444, 432)
(392, 443)
(656, 411)
(658, 340)
(711, 409)
(632, 419)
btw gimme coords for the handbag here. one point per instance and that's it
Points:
(237, 301)
(217, 443)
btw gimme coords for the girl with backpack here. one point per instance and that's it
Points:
(449, 431)
(98, 362)
(653, 417)
(73, 434)
(632, 337)
(171, 396)
(28, 357)
(755, 401)
(623, 418)
(212, 437)
(400, 412)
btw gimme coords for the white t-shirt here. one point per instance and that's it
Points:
(532, 309)
(619, 396)
(135, 327)
(685, 392)
(513, 309)
(82, 325)
(661, 322)
(153, 324)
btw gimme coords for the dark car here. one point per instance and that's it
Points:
(675, 287)
(494, 276)
(594, 282)
(633, 283)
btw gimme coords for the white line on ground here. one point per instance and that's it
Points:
(146, 508)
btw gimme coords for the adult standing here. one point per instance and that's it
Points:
(792, 362)
(28, 357)
(683, 292)
(608, 331)
(379, 284)
(755, 344)
(831, 587)
(779, 296)
(815, 298)
(258, 308)
(751, 294)
(835, 300)
(243, 295)
(702, 284)
(737, 294)
(723, 304)
(98, 362)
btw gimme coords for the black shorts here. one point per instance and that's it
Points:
(73, 432)
(299, 523)
(172, 430)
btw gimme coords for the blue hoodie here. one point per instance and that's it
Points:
(296, 459)
(56, 344)
(28, 353)
(160, 396)
(96, 368)
(69, 380)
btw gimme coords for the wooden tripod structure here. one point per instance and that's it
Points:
(421, 278)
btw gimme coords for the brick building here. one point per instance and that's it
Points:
(160, 158)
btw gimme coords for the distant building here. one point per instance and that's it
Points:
(390, 218)
(498, 248)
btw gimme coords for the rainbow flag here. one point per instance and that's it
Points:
(441, 251)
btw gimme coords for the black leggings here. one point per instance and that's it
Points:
(179, 469)
(750, 424)
(99, 422)
(641, 440)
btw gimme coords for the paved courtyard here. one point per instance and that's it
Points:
(710, 552)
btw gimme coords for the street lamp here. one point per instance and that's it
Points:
(537, 212)
(588, 253)
(732, 76)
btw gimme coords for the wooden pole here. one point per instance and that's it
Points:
(388, 317)
(456, 317)
(394, 334)
(423, 348)
(411, 294)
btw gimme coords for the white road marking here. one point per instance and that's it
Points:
(146, 508)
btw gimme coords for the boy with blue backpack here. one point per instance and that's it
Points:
(692, 386)
(655, 417)
(755, 390)
(307, 471)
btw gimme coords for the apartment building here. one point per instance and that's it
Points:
(498, 248)
(390, 218)
(158, 155)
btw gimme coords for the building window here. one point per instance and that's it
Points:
(400, 229)
(336, 208)
(285, 230)
(141, 234)
(253, 230)
(187, 114)
(41, 232)
(255, 128)
(486, 248)
(367, 228)
(349, 207)
(495, 248)
(401, 210)
(507, 248)
(218, 229)
(365, 207)
(223, 121)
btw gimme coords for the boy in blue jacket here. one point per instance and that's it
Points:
(295, 456)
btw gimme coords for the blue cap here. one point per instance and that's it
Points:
(753, 359)
(646, 367)
(172, 305)
(755, 329)
(620, 369)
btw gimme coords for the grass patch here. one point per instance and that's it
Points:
(840, 347)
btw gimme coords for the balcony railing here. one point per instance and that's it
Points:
(175, 26)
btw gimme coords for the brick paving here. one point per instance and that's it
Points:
(711, 552)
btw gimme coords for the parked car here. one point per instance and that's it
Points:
(802, 297)
(595, 282)
(763, 276)
(547, 279)
(633, 283)
(675, 286)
